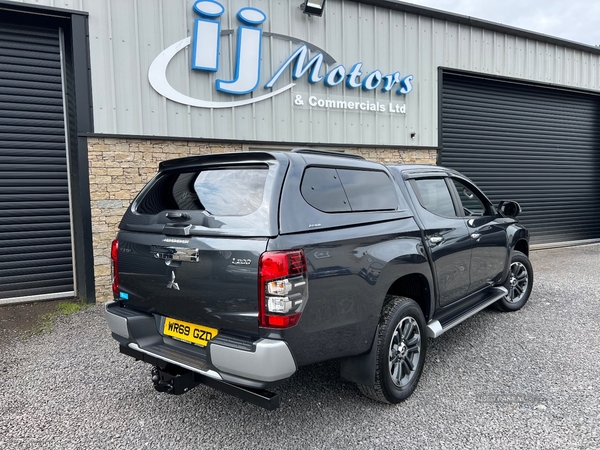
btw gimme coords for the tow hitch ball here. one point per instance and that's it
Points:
(161, 384)
(173, 381)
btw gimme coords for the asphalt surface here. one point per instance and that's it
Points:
(528, 379)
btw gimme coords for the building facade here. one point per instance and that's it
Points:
(94, 94)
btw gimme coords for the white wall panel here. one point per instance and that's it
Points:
(127, 35)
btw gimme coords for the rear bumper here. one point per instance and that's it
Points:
(256, 364)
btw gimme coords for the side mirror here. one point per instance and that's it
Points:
(509, 208)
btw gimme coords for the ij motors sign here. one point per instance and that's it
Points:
(307, 64)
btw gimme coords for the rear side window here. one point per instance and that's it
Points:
(220, 192)
(435, 197)
(347, 190)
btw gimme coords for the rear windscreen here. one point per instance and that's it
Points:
(219, 192)
(231, 192)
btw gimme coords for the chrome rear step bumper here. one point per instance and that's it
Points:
(241, 367)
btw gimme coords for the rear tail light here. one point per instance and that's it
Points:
(283, 288)
(114, 267)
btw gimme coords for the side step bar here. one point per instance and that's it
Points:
(182, 379)
(436, 329)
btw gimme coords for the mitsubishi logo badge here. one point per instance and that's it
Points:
(172, 284)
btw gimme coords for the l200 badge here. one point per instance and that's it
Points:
(241, 262)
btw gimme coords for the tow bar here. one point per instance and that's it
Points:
(176, 380)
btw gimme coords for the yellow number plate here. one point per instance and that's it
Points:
(189, 332)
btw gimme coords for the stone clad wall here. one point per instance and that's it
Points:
(120, 168)
(397, 156)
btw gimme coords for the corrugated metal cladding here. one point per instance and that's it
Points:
(126, 36)
(349, 32)
(536, 145)
(35, 228)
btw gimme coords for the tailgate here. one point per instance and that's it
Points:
(209, 281)
(190, 242)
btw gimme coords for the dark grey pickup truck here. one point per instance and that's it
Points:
(234, 270)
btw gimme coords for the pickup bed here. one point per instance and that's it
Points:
(234, 270)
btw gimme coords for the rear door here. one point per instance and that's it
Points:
(446, 235)
(190, 243)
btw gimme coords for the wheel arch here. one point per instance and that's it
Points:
(416, 287)
(522, 246)
(518, 239)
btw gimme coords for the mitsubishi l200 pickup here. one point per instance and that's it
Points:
(234, 270)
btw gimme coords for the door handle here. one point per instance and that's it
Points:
(475, 235)
(435, 239)
(177, 216)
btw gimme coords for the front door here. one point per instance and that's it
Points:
(488, 235)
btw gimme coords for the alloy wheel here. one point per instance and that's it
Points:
(518, 280)
(405, 351)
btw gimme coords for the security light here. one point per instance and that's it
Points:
(313, 7)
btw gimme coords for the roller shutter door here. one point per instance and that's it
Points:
(538, 146)
(35, 226)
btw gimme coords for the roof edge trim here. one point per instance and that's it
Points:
(478, 23)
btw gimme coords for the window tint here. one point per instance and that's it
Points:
(231, 192)
(322, 189)
(183, 192)
(368, 190)
(435, 197)
(345, 190)
(471, 204)
(221, 192)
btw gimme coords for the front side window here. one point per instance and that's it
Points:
(471, 204)
(435, 197)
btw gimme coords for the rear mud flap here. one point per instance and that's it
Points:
(361, 369)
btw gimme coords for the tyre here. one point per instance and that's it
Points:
(519, 284)
(401, 347)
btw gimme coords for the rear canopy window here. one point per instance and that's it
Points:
(322, 189)
(368, 190)
(231, 192)
(348, 190)
(220, 192)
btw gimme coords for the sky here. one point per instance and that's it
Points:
(575, 20)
